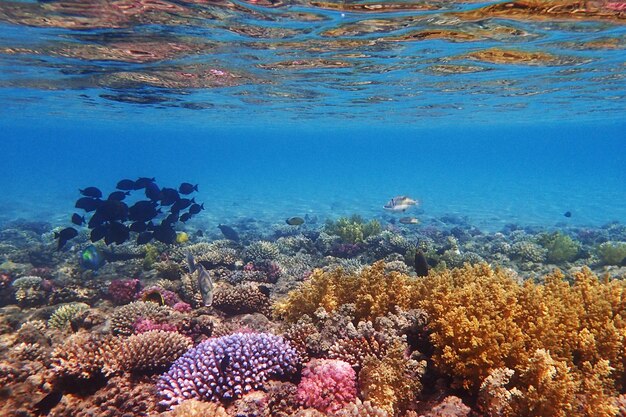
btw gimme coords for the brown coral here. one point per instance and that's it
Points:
(152, 351)
(85, 355)
(195, 408)
(241, 299)
(125, 317)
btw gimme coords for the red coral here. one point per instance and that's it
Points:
(123, 291)
(327, 385)
(146, 325)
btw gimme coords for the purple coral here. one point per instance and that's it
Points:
(123, 291)
(327, 385)
(227, 367)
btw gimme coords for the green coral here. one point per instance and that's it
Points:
(561, 248)
(151, 257)
(612, 253)
(352, 229)
(65, 314)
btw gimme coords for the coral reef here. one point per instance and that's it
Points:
(352, 229)
(227, 367)
(612, 253)
(152, 351)
(124, 318)
(327, 385)
(246, 298)
(123, 291)
(560, 247)
(261, 251)
(64, 314)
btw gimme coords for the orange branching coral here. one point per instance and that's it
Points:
(392, 382)
(374, 292)
(473, 313)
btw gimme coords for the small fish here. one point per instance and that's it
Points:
(409, 220)
(91, 192)
(199, 233)
(169, 196)
(205, 283)
(153, 192)
(164, 233)
(191, 264)
(98, 233)
(224, 363)
(92, 258)
(421, 266)
(182, 204)
(125, 185)
(118, 195)
(154, 296)
(65, 235)
(171, 218)
(185, 217)
(229, 232)
(143, 182)
(77, 219)
(142, 211)
(138, 227)
(88, 204)
(568, 214)
(196, 208)
(295, 221)
(144, 238)
(400, 204)
(187, 188)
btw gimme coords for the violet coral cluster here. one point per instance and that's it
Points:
(227, 367)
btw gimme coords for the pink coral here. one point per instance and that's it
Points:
(327, 385)
(123, 291)
(145, 325)
(182, 307)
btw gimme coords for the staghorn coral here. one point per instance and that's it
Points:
(227, 367)
(66, 313)
(195, 408)
(242, 299)
(612, 253)
(392, 382)
(352, 229)
(368, 342)
(152, 351)
(29, 291)
(528, 251)
(373, 292)
(124, 318)
(261, 250)
(327, 385)
(560, 247)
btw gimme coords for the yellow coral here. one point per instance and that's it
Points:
(374, 292)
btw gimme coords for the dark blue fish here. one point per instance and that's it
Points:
(65, 235)
(88, 204)
(185, 217)
(144, 238)
(143, 182)
(170, 219)
(126, 185)
(229, 232)
(91, 192)
(77, 219)
(164, 233)
(138, 227)
(187, 188)
(153, 192)
(112, 210)
(421, 265)
(568, 214)
(195, 208)
(117, 233)
(169, 196)
(142, 211)
(118, 195)
(98, 233)
(224, 363)
(182, 204)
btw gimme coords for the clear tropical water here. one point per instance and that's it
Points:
(290, 108)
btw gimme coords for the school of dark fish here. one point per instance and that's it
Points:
(152, 216)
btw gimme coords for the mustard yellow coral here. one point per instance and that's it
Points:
(374, 292)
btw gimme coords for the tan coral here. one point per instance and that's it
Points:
(152, 351)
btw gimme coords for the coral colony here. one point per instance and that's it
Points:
(351, 317)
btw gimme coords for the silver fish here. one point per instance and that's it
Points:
(206, 285)
(400, 203)
(191, 264)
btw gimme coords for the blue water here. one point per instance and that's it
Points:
(292, 109)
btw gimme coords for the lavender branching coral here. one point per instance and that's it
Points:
(227, 367)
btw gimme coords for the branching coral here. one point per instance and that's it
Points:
(327, 385)
(374, 293)
(125, 317)
(612, 253)
(242, 299)
(561, 248)
(353, 229)
(85, 356)
(261, 250)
